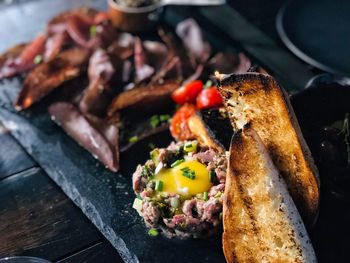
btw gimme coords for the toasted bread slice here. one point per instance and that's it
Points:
(258, 99)
(212, 128)
(261, 221)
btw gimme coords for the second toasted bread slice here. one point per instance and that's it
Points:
(261, 222)
(258, 99)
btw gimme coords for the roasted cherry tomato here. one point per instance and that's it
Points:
(178, 126)
(209, 98)
(188, 93)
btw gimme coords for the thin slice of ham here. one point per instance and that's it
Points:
(80, 128)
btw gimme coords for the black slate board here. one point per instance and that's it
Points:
(105, 198)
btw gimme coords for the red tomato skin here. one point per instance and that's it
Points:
(209, 98)
(187, 93)
(178, 126)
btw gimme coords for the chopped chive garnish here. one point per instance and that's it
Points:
(151, 145)
(93, 31)
(133, 139)
(191, 146)
(205, 196)
(218, 194)
(176, 163)
(153, 232)
(144, 172)
(159, 186)
(187, 172)
(154, 121)
(137, 205)
(38, 59)
(208, 84)
(164, 118)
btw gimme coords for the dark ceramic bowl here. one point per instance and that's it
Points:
(325, 100)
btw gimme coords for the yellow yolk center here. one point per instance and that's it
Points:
(175, 181)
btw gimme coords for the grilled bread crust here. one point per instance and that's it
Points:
(258, 99)
(261, 221)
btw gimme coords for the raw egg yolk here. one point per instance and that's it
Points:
(175, 180)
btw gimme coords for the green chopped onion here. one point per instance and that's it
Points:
(154, 121)
(151, 145)
(174, 202)
(187, 172)
(153, 232)
(133, 139)
(218, 194)
(164, 118)
(176, 163)
(38, 59)
(208, 84)
(93, 31)
(212, 176)
(205, 196)
(144, 172)
(137, 205)
(154, 156)
(191, 146)
(159, 186)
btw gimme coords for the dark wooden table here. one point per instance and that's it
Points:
(36, 217)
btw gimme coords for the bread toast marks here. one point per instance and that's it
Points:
(257, 99)
(261, 222)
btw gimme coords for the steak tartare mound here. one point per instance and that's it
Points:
(179, 190)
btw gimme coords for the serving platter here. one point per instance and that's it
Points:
(106, 197)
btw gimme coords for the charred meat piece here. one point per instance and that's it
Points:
(25, 60)
(143, 70)
(48, 76)
(176, 49)
(143, 99)
(7, 59)
(123, 46)
(171, 70)
(192, 38)
(212, 128)
(86, 27)
(156, 54)
(58, 23)
(54, 45)
(102, 76)
(102, 143)
(149, 57)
